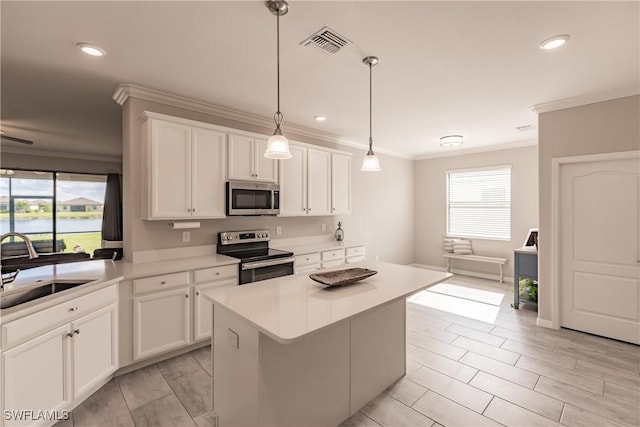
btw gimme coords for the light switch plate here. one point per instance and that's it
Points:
(186, 236)
(278, 230)
(233, 339)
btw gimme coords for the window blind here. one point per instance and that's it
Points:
(479, 203)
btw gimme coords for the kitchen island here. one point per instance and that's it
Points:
(292, 352)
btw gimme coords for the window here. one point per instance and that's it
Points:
(59, 211)
(479, 203)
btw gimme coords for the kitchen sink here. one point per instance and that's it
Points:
(50, 288)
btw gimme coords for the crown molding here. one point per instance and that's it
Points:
(126, 90)
(489, 148)
(591, 98)
(63, 154)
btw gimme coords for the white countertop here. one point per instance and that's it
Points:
(290, 307)
(527, 250)
(303, 249)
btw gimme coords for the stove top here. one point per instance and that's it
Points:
(258, 254)
(249, 246)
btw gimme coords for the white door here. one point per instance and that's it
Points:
(266, 169)
(340, 183)
(170, 170)
(35, 374)
(241, 158)
(208, 173)
(599, 243)
(293, 183)
(94, 349)
(319, 182)
(160, 322)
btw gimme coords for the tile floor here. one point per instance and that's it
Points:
(478, 363)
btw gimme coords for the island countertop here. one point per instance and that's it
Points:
(291, 307)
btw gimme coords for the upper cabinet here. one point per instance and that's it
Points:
(340, 183)
(246, 160)
(315, 181)
(183, 169)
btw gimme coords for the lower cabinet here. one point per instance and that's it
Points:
(309, 262)
(170, 311)
(160, 322)
(53, 369)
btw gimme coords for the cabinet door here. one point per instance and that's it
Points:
(266, 169)
(160, 322)
(170, 170)
(319, 184)
(35, 374)
(202, 310)
(241, 158)
(340, 183)
(293, 183)
(208, 163)
(94, 349)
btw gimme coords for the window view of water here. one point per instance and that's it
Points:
(64, 225)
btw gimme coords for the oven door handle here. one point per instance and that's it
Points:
(259, 264)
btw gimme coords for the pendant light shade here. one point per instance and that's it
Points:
(371, 163)
(278, 144)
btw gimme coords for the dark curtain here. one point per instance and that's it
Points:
(112, 214)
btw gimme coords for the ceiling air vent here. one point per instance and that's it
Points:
(327, 40)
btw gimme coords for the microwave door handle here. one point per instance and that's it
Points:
(260, 264)
(273, 200)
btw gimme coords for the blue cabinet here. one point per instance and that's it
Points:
(526, 266)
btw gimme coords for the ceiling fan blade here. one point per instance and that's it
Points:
(14, 139)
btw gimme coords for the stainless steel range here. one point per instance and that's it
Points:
(257, 260)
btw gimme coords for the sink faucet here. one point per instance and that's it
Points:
(30, 250)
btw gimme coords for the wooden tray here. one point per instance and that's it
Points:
(342, 277)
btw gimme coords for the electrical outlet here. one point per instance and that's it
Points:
(233, 339)
(186, 236)
(323, 227)
(278, 231)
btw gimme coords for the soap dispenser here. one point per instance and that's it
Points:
(339, 232)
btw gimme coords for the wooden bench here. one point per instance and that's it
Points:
(477, 258)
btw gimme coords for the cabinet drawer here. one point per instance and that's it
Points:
(306, 268)
(313, 258)
(28, 326)
(156, 283)
(354, 259)
(334, 254)
(215, 273)
(333, 263)
(356, 250)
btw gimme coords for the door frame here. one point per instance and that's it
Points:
(557, 163)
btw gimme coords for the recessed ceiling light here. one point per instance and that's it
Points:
(451, 141)
(91, 49)
(555, 41)
(320, 118)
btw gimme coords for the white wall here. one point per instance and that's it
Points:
(603, 127)
(430, 205)
(382, 203)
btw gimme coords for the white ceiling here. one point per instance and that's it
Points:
(470, 68)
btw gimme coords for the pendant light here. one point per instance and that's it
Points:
(371, 163)
(278, 144)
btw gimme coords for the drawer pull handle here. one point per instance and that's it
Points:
(73, 309)
(163, 283)
(77, 331)
(70, 334)
(217, 273)
(186, 296)
(198, 293)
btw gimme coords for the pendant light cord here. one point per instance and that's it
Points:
(370, 110)
(278, 115)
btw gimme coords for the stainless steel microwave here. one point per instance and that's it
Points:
(252, 198)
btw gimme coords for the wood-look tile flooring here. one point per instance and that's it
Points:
(472, 360)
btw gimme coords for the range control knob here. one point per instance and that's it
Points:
(229, 237)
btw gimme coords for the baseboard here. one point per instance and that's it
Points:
(159, 358)
(545, 323)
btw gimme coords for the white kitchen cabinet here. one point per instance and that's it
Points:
(340, 183)
(94, 349)
(246, 161)
(319, 182)
(36, 374)
(183, 169)
(203, 309)
(307, 262)
(55, 357)
(355, 254)
(293, 182)
(160, 322)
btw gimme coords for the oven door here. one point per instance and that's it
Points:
(262, 270)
